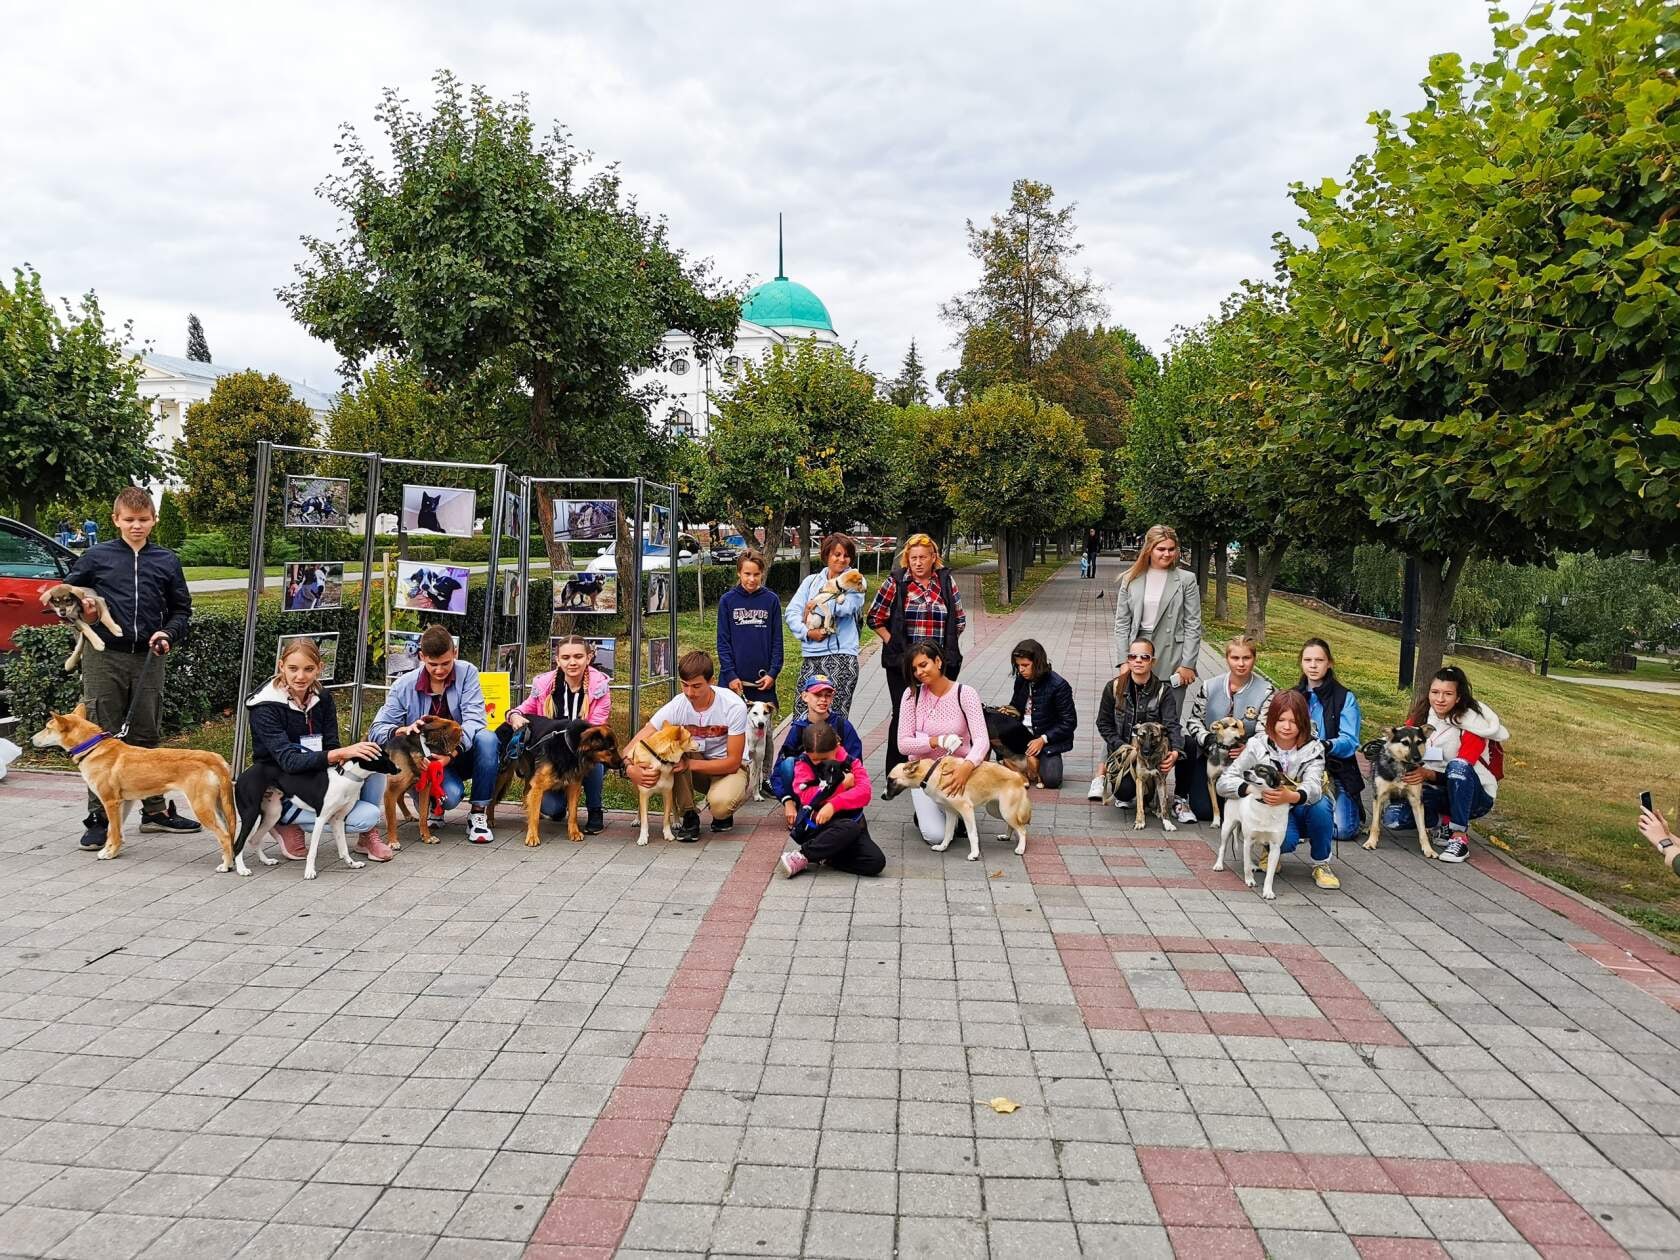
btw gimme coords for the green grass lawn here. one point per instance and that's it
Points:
(1035, 576)
(1649, 669)
(1576, 762)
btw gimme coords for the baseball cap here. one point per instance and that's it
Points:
(819, 682)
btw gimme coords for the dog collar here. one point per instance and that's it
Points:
(87, 745)
(658, 758)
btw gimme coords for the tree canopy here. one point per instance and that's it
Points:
(198, 349)
(218, 454)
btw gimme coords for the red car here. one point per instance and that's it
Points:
(29, 563)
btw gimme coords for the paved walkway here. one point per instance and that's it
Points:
(1622, 684)
(589, 1049)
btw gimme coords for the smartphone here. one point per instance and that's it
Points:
(1645, 801)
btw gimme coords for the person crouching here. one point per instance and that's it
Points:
(832, 788)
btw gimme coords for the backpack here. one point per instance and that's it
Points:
(1494, 759)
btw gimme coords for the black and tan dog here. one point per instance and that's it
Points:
(1141, 759)
(437, 739)
(552, 754)
(1009, 737)
(1228, 740)
(1395, 755)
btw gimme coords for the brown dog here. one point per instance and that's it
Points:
(437, 739)
(117, 772)
(69, 606)
(663, 751)
(554, 754)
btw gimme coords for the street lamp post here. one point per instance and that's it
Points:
(1552, 605)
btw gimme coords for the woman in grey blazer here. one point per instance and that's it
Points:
(1159, 601)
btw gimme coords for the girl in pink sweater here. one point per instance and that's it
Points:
(576, 689)
(939, 718)
(832, 788)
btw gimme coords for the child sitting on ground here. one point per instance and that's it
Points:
(819, 706)
(832, 788)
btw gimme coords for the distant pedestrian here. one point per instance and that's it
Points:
(90, 530)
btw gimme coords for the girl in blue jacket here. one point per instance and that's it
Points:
(1335, 717)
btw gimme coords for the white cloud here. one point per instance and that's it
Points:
(167, 155)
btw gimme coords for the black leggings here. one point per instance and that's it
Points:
(1050, 770)
(258, 778)
(895, 692)
(1191, 782)
(845, 844)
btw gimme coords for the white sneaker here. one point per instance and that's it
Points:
(1183, 813)
(1095, 793)
(478, 830)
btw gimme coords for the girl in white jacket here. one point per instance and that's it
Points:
(1458, 783)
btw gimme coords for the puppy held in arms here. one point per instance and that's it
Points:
(69, 604)
(820, 612)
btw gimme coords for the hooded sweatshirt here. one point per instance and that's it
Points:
(1467, 736)
(749, 635)
(1303, 766)
(280, 724)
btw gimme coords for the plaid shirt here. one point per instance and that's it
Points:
(924, 610)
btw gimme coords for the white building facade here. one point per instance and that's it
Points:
(173, 384)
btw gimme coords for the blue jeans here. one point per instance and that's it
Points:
(781, 778)
(1315, 820)
(1344, 815)
(364, 815)
(554, 803)
(1459, 800)
(480, 764)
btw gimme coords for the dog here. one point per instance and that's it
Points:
(344, 789)
(659, 593)
(821, 611)
(317, 509)
(662, 750)
(1141, 759)
(761, 731)
(66, 603)
(438, 589)
(551, 753)
(581, 591)
(1009, 737)
(991, 784)
(1392, 757)
(1259, 823)
(1228, 739)
(437, 739)
(116, 772)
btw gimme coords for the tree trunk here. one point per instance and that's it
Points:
(1437, 582)
(804, 548)
(1261, 567)
(28, 506)
(1061, 544)
(1199, 565)
(1000, 546)
(1222, 573)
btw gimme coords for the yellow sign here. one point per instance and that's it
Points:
(498, 697)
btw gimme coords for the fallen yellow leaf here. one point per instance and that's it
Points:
(1003, 1106)
(997, 874)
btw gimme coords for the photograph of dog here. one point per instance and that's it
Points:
(659, 593)
(67, 606)
(510, 594)
(583, 592)
(313, 586)
(1009, 737)
(1228, 741)
(402, 652)
(437, 738)
(344, 789)
(605, 658)
(659, 658)
(427, 587)
(117, 773)
(1141, 761)
(317, 503)
(662, 750)
(585, 520)
(325, 644)
(1396, 754)
(993, 787)
(507, 659)
(1259, 823)
(761, 733)
(550, 754)
(444, 510)
(820, 612)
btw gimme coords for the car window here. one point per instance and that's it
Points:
(22, 556)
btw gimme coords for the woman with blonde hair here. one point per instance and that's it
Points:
(294, 741)
(918, 603)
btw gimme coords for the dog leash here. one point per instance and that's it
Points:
(134, 699)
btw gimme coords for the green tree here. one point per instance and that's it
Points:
(1495, 291)
(71, 422)
(922, 437)
(1020, 467)
(172, 526)
(217, 457)
(909, 387)
(1029, 294)
(487, 255)
(198, 349)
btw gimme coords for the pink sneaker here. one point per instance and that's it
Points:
(292, 841)
(372, 847)
(793, 863)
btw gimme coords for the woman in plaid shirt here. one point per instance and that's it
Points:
(918, 601)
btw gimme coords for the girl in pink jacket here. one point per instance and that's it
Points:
(832, 788)
(576, 689)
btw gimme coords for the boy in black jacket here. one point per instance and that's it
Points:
(146, 591)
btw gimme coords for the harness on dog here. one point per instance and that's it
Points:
(88, 745)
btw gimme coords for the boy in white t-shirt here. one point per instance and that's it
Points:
(717, 719)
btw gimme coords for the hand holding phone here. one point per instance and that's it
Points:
(1645, 800)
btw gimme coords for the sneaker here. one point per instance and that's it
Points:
(689, 831)
(95, 837)
(292, 841)
(1324, 877)
(1094, 792)
(594, 823)
(723, 824)
(1457, 850)
(167, 820)
(793, 863)
(1183, 813)
(437, 811)
(1440, 833)
(478, 831)
(372, 847)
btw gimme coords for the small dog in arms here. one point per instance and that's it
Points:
(819, 613)
(69, 605)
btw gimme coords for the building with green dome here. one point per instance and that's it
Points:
(775, 313)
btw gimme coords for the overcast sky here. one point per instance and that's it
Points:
(167, 155)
